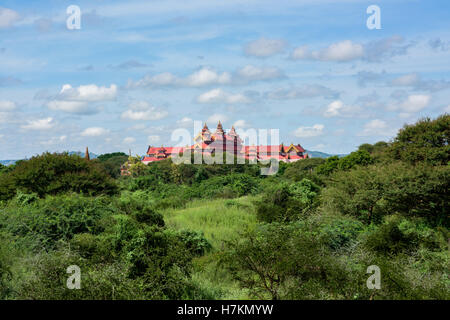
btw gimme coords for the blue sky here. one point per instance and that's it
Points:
(138, 70)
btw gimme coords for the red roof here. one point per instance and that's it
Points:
(262, 152)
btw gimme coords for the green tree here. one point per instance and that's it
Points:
(56, 173)
(111, 162)
(372, 192)
(279, 261)
(427, 140)
(298, 170)
(330, 165)
(357, 158)
(107, 156)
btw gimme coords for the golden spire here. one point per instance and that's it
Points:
(86, 155)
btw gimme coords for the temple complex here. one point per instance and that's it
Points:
(209, 143)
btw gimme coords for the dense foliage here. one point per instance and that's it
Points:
(224, 231)
(51, 174)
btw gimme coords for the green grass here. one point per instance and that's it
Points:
(219, 220)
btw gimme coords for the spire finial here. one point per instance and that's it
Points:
(86, 155)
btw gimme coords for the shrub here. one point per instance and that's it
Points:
(298, 170)
(398, 234)
(287, 202)
(372, 192)
(427, 140)
(340, 232)
(111, 162)
(51, 174)
(140, 210)
(195, 241)
(56, 218)
(283, 261)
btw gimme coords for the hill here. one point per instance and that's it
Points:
(81, 154)
(319, 154)
(7, 162)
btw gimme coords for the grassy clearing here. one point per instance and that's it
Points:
(219, 220)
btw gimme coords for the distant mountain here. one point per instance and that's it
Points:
(318, 154)
(81, 154)
(312, 154)
(7, 162)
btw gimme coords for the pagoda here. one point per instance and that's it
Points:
(206, 142)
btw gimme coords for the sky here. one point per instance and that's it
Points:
(135, 71)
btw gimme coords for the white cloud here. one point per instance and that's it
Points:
(8, 17)
(241, 124)
(447, 109)
(39, 124)
(264, 47)
(215, 118)
(334, 108)
(186, 122)
(409, 79)
(153, 139)
(307, 132)
(94, 132)
(76, 100)
(377, 127)
(338, 109)
(374, 51)
(220, 96)
(79, 107)
(90, 92)
(142, 110)
(414, 80)
(202, 77)
(7, 105)
(340, 51)
(379, 50)
(207, 76)
(306, 91)
(300, 53)
(413, 103)
(129, 140)
(252, 73)
(54, 140)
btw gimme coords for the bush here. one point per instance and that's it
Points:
(340, 232)
(140, 210)
(283, 261)
(357, 158)
(56, 218)
(195, 241)
(287, 202)
(111, 162)
(372, 192)
(427, 140)
(398, 234)
(301, 169)
(51, 174)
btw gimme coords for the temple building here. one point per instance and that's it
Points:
(208, 143)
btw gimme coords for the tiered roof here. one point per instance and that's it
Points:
(206, 143)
